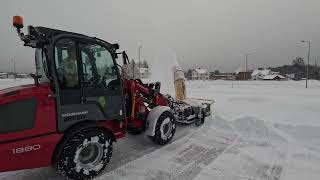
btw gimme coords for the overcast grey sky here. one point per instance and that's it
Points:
(203, 33)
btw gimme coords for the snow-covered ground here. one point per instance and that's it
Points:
(259, 130)
(5, 83)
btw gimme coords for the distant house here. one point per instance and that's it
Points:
(7, 75)
(273, 77)
(23, 76)
(130, 71)
(223, 77)
(244, 75)
(199, 74)
(290, 76)
(4, 75)
(260, 74)
(144, 73)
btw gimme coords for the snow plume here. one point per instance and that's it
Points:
(162, 69)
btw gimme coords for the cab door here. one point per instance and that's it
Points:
(87, 83)
(102, 83)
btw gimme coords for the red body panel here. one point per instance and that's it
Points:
(115, 128)
(29, 153)
(138, 93)
(46, 112)
(34, 146)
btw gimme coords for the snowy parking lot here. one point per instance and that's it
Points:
(261, 130)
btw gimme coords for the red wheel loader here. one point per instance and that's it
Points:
(80, 103)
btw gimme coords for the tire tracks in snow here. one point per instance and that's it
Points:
(251, 155)
(193, 165)
(182, 159)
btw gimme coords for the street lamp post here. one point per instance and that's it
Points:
(14, 68)
(139, 54)
(309, 45)
(246, 63)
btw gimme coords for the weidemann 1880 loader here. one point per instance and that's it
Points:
(79, 104)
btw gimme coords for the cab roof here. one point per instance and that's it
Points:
(42, 35)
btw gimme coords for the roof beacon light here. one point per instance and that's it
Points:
(18, 22)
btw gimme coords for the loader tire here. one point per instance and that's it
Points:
(85, 154)
(165, 129)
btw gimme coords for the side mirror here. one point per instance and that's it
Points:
(36, 78)
(125, 58)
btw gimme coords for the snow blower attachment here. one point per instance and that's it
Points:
(187, 110)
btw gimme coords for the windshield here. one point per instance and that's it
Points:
(41, 65)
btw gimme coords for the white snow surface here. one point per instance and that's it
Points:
(261, 130)
(6, 83)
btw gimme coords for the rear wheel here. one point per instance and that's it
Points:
(165, 129)
(85, 154)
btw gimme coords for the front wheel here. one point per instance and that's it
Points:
(165, 129)
(85, 154)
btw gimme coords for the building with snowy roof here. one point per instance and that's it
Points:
(273, 77)
(23, 76)
(260, 74)
(3, 75)
(200, 74)
(144, 73)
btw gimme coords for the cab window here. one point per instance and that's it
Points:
(98, 67)
(66, 63)
(41, 65)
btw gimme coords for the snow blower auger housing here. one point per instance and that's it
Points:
(77, 107)
(187, 110)
(190, 110)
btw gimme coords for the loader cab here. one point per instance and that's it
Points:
(86, 79)
(84, 76)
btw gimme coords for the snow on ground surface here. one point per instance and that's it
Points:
(6, 83)
(260, 130)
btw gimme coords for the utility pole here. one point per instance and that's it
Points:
(139, 54)
(133, 68)
(246, 63)
(309, 45)
(14, 68)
